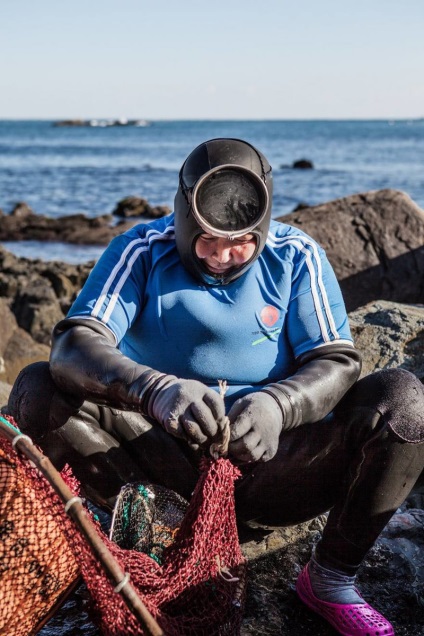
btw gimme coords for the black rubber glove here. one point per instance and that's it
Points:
(256, 421)
(187, 409)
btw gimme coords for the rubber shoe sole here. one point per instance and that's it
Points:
(348, 620)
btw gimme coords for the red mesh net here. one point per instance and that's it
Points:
(195, 584)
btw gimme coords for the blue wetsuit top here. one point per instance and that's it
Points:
(248, 332)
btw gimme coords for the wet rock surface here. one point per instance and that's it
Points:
(390, 578)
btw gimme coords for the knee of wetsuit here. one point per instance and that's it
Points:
(36, 404)
(397, 395)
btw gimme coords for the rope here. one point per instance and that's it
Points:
(220, 449)
(20, 437)
(71, 502)
(122, 584)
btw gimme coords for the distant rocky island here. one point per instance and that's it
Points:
(102, 123)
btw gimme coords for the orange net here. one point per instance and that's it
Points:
(192, 579)
(37, 565)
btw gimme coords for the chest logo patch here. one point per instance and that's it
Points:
(269, 315)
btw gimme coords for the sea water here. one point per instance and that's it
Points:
(60, 171)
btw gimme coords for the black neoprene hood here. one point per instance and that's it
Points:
(225, 189)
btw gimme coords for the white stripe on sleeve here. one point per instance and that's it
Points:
(317, 284)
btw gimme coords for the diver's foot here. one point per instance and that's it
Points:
(349, 619)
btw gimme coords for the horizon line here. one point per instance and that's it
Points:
(212, 119)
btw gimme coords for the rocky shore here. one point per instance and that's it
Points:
(375, 242)
(23, 224)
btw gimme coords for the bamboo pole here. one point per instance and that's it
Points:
(77, 512)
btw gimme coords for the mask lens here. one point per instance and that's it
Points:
(229, 200)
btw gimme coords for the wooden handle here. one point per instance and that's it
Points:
(78, 513)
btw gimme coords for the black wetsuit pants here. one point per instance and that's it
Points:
(359, 463)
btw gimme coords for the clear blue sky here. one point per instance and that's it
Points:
(235, 59)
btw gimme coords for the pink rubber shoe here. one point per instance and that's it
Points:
(348, 620)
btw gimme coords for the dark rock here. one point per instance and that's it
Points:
(15, 274)
(391, 577)
(21, 210)
(5, 389)
(375, 242)
(17, 348)
(37, 308)
(300, 206)
(132, 207)
(70, 122)
(63, 284)
(161, 210)
(389, 335)
(78, 229)
(8, 326)
(38, 293)
(303, 164)
(20, 351)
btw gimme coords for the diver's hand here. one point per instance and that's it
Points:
(256, 421)
(188, 409)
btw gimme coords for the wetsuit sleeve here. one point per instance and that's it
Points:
(327, 364)
(85, 362)
(322, 378)
(114, 291)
